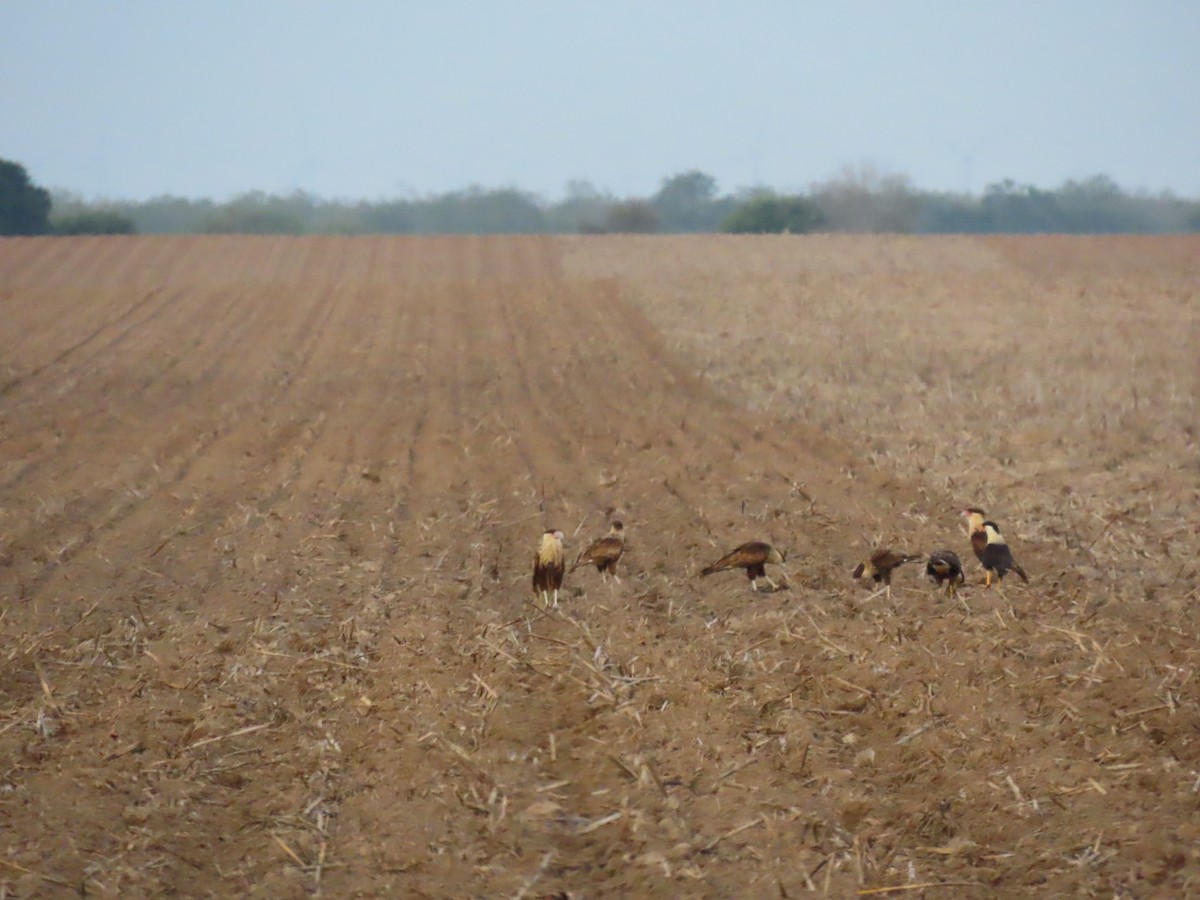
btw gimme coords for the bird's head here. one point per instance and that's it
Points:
(776, 557)
(618, 527)
(974, 516)
(554, 534)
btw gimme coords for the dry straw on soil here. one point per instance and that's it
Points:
(268, 506)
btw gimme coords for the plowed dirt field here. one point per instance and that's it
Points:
(268, 508)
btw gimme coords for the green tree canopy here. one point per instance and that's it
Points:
(860, 199)
(255, 213)
(24, 207)
(768, 214)
(100, 221)
(688, 202)
(631, 217)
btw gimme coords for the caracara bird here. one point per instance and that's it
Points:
(753, 557)
(880, 566)
(604, 552)
(548, 566)
(989, 547)
(944, 567)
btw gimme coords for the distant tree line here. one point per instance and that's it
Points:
(858, 199)
(24, 207)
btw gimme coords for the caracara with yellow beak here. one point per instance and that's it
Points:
(990, 548)
(753, 557)
(880, 566)
(604, 553)
(945, 568)
(548, 567)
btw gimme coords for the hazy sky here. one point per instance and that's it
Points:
(366, 99)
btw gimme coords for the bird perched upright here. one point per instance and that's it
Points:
(548, 566)
(752, 556)
(989, 546)
(945, 568)
(880, 565)
(604, 552)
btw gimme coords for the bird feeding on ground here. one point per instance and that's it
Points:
(752, 556)
(990, 548)
(880, 565)
(945, 568)
(604, 553)
(548, 567)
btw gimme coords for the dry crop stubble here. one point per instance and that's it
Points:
(289, 646)
(1062, 397)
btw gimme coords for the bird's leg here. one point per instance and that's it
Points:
(987, 582)
(891, 599)
(774, 586)
(754, 584)
(556, 598)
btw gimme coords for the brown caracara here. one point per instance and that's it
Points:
(753, 557)
(548, 566)
(944, 567)
(881, 564)
(990, 548)
(604, 552)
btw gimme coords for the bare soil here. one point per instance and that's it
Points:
(268, 508)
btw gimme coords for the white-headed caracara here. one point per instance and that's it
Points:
(548, 566)
(945, 568)
(881, 564)
(753, 557)
(604, 552)
(990, 548)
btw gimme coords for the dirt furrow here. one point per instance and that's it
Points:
(289, 647)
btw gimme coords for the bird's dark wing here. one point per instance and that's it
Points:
(604, 550)
(886, 560)
(753, 553)
(547, 575)
(997, 557)
(944, 564)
